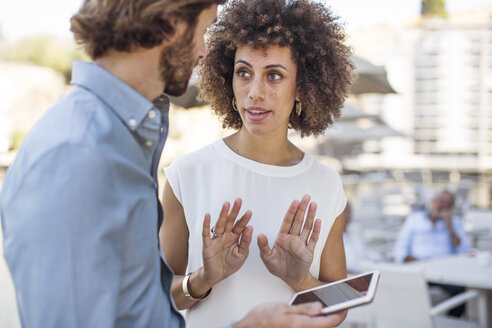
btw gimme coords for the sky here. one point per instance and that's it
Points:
(21, 18)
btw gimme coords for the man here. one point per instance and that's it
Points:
(79, 207)
(433, 233)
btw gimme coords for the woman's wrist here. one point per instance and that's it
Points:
(197, 286)
(308, 281)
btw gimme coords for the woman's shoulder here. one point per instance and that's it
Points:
(196, 157)
(202, 159)
(323, 168)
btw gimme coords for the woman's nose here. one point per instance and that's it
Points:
(257, 89)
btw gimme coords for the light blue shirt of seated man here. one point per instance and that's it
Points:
(422, 239)
(80, 212)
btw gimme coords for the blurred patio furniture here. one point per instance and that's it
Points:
(484, 244)
(463, 270)
(478, 226)
(360, 317)
(403, 301)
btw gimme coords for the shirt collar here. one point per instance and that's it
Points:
(125, 101)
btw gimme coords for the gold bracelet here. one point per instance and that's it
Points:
(187, 292)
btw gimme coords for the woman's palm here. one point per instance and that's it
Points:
(290, 258)
(223, 257)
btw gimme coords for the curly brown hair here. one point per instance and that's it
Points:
(101, 25)
(315, 38)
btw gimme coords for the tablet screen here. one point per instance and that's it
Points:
(337, 293)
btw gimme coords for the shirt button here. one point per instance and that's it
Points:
(152, 114)
(148, 143)
(132, 122)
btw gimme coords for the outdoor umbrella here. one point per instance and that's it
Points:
(369, 78)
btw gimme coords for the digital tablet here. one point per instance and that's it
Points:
(341, 294)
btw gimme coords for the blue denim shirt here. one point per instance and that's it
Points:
(80, 212)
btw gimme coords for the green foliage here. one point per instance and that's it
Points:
(49, 51)
(17, 138)
(434, 8)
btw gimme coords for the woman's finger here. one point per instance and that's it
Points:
(246, 238)
(221, 221)
(265, 250)
(242, 223)
(289, 217)
(308, 225)
(231, 217)
(299, 217)
(206, 231)
(314, 235)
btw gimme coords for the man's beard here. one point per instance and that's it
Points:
(177, 63)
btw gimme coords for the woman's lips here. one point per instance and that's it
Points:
(256, 114)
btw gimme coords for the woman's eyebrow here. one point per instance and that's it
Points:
(276, 66)
(242, 61)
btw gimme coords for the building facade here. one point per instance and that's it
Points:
(442, 72)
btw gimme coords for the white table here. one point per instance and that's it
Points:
(462, 270)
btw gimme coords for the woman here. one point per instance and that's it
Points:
(271, 66)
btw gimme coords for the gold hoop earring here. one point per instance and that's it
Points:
(298, 108)
(234, 105)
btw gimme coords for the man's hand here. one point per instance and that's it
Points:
(447, 215)
(225, 252)
(409, 258)
(293, 251)
(282, 315)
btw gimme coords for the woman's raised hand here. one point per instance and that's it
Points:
(293, 251)
(226, 250)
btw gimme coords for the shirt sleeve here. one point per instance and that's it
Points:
(341, 199)
(172, 175)
(63, 240)
(403, 241)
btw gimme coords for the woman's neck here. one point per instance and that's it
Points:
(273, 150)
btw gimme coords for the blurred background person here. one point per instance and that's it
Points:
(431, 233)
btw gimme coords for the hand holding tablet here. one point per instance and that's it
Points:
(342, 294)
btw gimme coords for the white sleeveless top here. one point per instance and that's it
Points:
(203, 180)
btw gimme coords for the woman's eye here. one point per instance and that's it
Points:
(274, 76)
(242, 73)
